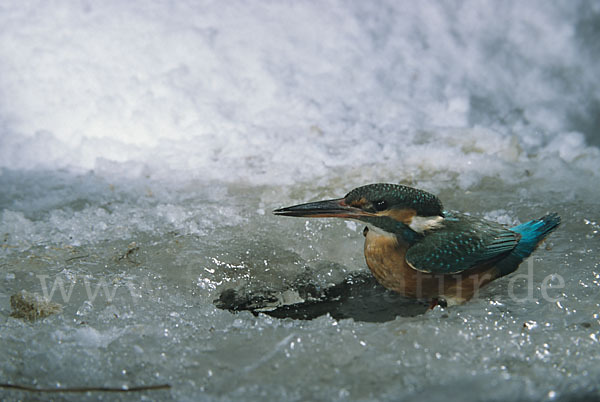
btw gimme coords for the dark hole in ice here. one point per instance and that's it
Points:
(358, 296)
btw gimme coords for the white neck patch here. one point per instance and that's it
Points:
(422, 223)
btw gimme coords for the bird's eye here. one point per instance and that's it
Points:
(380, 205)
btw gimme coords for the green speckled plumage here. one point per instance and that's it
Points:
(399, 196)
(462, 243)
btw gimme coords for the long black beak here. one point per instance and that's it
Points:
(323, 209)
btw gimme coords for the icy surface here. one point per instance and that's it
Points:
(144, 144)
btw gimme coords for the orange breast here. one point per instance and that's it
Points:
(385, 256)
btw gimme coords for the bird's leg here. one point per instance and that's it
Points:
(437, 302)
(434, 302)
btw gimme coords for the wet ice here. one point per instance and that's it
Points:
(143, 151)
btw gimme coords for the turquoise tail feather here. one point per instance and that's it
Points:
(532, 233)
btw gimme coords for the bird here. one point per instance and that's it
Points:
(415, 247)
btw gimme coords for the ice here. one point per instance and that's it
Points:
(143, 147)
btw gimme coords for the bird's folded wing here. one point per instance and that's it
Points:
(461, 246)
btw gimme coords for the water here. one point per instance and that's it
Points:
(143, 147)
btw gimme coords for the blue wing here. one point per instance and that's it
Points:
(462, 243)
(532, 233)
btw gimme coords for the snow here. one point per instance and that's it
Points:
(144, 144)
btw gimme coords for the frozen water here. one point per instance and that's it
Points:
(143, 146)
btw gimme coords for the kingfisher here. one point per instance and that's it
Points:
(416, 248)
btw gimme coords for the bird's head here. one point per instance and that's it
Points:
(391, 208)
